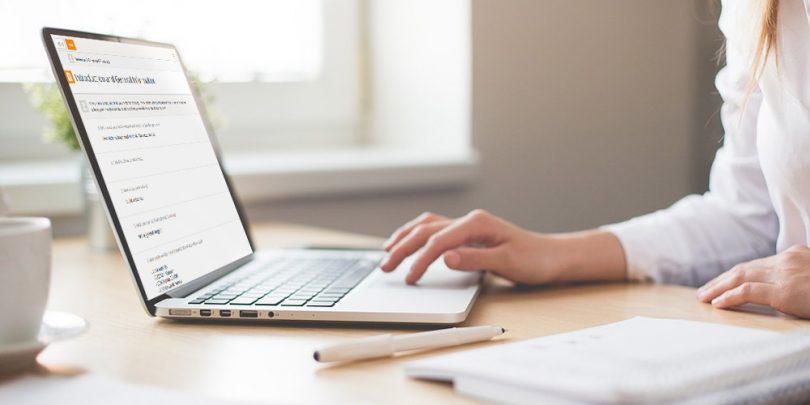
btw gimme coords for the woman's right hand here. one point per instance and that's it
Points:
(476, 241)
(482, 241)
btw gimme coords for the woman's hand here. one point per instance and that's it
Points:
(476, 241)
(781, 282)
(482, 241)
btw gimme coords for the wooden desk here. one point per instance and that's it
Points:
(262, 363)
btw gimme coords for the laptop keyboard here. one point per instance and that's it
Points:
(294, 282)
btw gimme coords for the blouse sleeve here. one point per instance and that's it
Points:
(701, 236)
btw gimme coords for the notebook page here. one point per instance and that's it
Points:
(605, 363)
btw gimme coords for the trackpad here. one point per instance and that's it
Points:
(440, 291)
(437, 276)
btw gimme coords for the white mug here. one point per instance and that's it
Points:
(25, 273)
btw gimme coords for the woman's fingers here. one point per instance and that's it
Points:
(468, 229)
(411, 242)
(404, 230)
(746, 293)
(778, 281)
(739, 274)
(753, 263)
(474, 259)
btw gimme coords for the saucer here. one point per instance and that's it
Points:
(56, 326)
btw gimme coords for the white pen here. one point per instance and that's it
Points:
(387, 345)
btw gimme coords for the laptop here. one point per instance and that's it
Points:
(179, 224)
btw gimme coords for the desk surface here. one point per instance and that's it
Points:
(263, 362)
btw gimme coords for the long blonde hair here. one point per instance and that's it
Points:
(767, 41)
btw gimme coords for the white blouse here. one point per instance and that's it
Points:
(759, 198)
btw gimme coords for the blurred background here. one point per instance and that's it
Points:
(360, 114)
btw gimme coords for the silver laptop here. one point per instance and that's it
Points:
(179, 224)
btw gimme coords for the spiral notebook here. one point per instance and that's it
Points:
(639, 360)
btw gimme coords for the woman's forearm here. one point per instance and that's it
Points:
(594, 255)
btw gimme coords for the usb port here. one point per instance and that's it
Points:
(247, 313)
(205, 312)
(224, 313)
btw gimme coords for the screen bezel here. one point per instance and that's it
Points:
(87, 148)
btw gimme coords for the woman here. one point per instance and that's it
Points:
(744, 241)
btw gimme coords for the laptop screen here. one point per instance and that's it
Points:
(167, 190)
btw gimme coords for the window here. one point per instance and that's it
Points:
(285, 72)
(318, 96)
(256, 40)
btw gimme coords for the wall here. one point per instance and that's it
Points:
(584, 113)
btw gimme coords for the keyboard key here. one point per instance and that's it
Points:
(214, 301)
(244, 300)
(321, 304)
(335, 292)
(270, 300)
(328, 292)
(327, 297)
(197, 300)
(293, 303)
